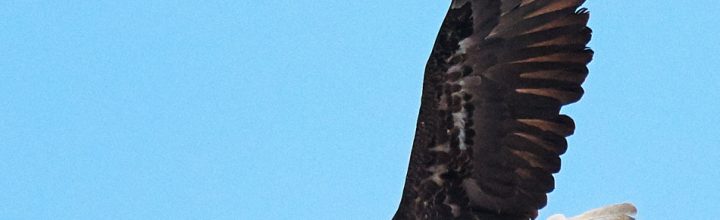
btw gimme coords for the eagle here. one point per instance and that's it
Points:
(489, 132)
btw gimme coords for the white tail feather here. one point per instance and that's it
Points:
(625, 211)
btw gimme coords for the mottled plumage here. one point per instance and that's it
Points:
(490, 134)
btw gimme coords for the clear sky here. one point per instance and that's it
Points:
(306, 109)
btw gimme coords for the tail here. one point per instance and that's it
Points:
(625, 211)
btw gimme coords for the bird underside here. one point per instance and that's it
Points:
(489, 133)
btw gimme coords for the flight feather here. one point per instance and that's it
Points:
(490, 134)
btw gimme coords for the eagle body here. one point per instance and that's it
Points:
(489, 133)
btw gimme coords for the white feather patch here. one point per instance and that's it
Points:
(459, 119)
(625, 211)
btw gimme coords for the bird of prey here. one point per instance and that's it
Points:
(489, 132)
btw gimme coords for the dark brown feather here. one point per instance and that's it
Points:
(489, 133)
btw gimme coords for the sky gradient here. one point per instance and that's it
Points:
(306, 109)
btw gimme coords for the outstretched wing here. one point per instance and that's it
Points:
(489, 133)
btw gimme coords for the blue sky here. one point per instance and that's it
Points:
(306, 109)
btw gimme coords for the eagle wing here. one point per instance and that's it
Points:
(489, 133)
